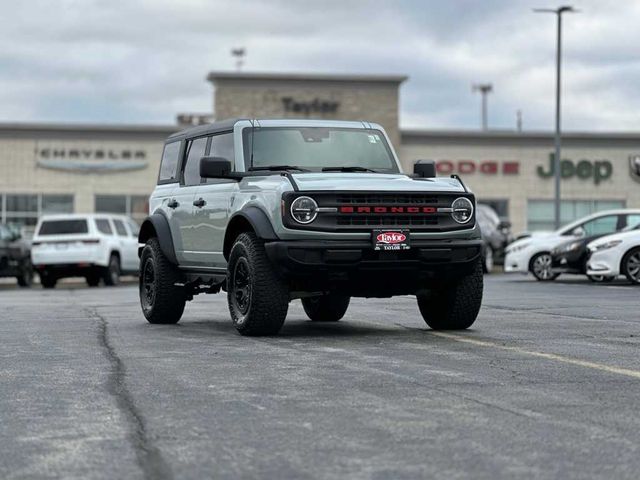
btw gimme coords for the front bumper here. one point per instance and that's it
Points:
(517, 262)
(606, 262)
(354, 268)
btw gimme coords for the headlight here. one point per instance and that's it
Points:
(517, 248)
(462, 210)
(304, 210)
(605, 246)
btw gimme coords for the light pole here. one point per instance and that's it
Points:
(484, 89)
(239, 54)
(556, 160)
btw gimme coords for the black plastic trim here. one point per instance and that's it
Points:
(159, 223)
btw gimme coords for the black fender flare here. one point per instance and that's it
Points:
(243, 220)
(157, 225)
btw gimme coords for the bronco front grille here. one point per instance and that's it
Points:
(364, 211)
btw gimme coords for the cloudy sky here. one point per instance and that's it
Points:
(142, 61)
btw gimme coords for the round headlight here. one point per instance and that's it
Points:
(304, 209)
(462, 210)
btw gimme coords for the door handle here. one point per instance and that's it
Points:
(173, 203)
(199, 203)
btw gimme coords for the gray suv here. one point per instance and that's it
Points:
(275, 210)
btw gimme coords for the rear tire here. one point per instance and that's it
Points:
(25, 279)
(540, 266)
(456, 306)
(111, 274)
(258, 299)
(161, 300)
(326, 308)
(631, 266)
(47, 280)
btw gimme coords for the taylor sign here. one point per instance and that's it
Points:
(488, 167)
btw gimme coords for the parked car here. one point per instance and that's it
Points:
(533, 254)
(617, 254)
(15, 256)
(96, 247)
(317, 210)
(496, 235)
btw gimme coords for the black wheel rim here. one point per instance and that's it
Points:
(242, 286)
(114, 271)
(148, 284)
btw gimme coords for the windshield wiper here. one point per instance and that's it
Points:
(348, 169)
(275, 168)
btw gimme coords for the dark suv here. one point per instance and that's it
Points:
(15, 256)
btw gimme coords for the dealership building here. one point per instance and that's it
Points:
(48, 168)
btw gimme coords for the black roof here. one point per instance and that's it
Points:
(215, 127)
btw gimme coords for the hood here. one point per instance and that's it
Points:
(339, 181)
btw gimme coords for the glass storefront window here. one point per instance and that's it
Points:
(24, 209)
(57, 204)
(135, 206)
(540, 213)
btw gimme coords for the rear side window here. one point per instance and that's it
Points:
(103, 226)
(120, 228)
(63, 227)
(195, 151)
(135, 228)
(169, 163)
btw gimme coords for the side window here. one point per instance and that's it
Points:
(120, 228)
(601, 226)
(195, 151)
(103, 226)
(169, 163)
(221, 146)
(633, 220)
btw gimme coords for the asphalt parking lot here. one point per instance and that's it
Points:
(545, 385)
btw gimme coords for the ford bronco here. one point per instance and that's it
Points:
(275, 210)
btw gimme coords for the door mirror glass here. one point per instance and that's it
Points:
(214, 167)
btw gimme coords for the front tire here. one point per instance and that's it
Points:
(258, 299)
(631, 266)
(456, 306)
(541, 267)
(161, 300)
(326, 308)
(487, 260)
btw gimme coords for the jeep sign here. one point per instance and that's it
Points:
(596, 170)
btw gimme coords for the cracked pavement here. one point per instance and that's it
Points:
(545, 385)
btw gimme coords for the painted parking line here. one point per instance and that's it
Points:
(627, 372)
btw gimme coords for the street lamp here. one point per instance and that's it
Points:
(556, 161)
(484, 89)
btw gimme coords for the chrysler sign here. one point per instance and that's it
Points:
(90, 160)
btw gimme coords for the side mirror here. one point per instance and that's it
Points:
(214, 167)
(504, 225)
(424, 169)
(578, 232)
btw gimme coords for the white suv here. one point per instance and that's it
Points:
(97, 247)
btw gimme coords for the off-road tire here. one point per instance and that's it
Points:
(456, 306)
(258, 299)
(629, 265)
(162, 301)
(111, 273)
(326, 308)
(544, 274)
(47, 280)
(25, 279)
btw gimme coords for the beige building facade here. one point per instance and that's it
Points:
(89, 168)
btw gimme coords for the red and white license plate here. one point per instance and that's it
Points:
(390, 240)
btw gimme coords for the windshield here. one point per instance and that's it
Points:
(63, 227)
(316, 148)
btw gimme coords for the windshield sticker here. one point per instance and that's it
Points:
(373, 138)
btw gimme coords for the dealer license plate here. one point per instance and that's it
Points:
(390, 240)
